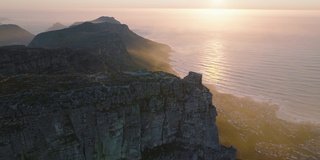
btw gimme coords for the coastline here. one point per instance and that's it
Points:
(254, 128)
(256, 131)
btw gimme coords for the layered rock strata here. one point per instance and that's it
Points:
(108, 116)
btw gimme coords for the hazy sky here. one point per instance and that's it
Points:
(66, 4)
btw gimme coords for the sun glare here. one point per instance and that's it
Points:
(218, 3)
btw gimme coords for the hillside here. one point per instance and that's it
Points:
(147, 53)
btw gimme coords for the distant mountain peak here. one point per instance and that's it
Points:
(10, 26)
(12, 34)
(56, 26)
(101, 19)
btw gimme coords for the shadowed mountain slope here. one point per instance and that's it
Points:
(109, 55)
(147, 53)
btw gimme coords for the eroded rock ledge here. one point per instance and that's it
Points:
(108, 116)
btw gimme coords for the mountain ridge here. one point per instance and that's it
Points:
(101, 19)
(147, 53)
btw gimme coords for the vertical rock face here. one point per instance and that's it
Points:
(108, 116)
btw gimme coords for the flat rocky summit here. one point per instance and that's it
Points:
(132, 115)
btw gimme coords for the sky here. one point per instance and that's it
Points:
(238, 4)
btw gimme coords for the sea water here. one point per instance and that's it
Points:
(265, 69)
(268, 55)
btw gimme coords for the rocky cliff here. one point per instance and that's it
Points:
(108, 116)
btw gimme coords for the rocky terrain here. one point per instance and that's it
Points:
(11, 34)
(108, 116)
(147, 53)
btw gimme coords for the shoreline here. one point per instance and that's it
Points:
(282, 112)
(253, 127)
(256, 131)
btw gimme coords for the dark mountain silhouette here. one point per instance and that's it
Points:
(56, 26)
(147, 53)
(108, 58)
(101, 19)
(11, 34)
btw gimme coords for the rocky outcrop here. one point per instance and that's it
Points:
(108, 116)
(11, 34)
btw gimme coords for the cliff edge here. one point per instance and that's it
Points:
(108, 116)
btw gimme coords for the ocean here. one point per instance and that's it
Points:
(270, 56)
(263, 67)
